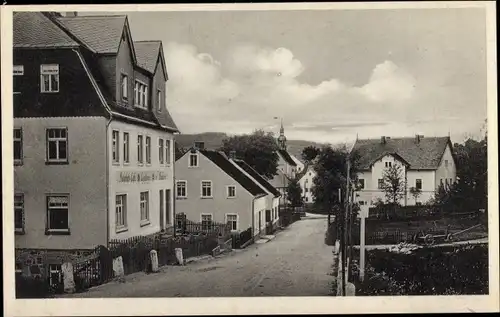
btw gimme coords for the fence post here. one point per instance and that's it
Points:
(118, 268)
(154, 260)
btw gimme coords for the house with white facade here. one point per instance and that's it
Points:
(93, 137)
(426, 163)
(211, 188)
(306, 183)
(273, 195)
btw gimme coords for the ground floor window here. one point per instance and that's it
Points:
(232, 219)
(55, 276)
(19, 213)
(206, 221)
(268, 215)
(58, 213)
(144, 206)
(121, 211)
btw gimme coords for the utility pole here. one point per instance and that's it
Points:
(344, 225)
(351, 225)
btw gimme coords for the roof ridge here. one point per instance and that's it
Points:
(94, 16)
(144, 41)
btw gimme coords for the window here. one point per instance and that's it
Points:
(18, 70)
(18, 146)
(232, 219)
(148, 150)
(193, 160)
(141, 94)
(58, 213)
(124, 86)
(55, 276)
(126, 147)
(121, 211)
(167, 151)
(306, 189)
(206, 221)
(446, 163)
(49, 78)
(181, 189)
(206, 189)
(19, 213)
(446, 182)
(158, 99)
(116, 147)
(140, 147)
(144, 206)
(161, 151)
(361, 203)
(268, 215)
(380, 183)
(307, 199)
(231, 191)
(57, 145)
(418, 183)
(361, 183)
(388, 164)
(451, 181)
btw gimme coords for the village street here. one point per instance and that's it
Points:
(296, 263)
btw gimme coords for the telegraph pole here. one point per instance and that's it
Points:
(344, 226)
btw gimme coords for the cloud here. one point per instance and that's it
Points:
(254, 84)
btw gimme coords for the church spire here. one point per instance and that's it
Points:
(282, 138)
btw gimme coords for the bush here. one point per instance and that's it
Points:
(29, 287)
(428, 271)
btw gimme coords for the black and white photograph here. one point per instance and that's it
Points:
(238, 152)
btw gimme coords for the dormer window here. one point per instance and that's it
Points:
(124, 87)
(158, 99)
(141, 94)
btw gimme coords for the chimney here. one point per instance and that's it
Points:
(70, 14)
(232, 155)
(199, 145)
(418, 137)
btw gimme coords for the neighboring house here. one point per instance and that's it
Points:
(287, 166)
(426, 163)
(210, 188)
(306, 183)
(299, 164)
(273, 195)
(93, 138)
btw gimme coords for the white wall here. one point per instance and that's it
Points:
(307, 179)
(119, 184)
(446, 172)
(193, 206)
(259, 208)
(428, 186)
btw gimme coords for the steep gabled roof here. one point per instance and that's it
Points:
(147, 54)
(423, 155)
(286, 156)
(224, 164)
(35, 30)
(253, 173)
(101, 33)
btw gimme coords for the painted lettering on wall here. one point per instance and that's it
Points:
(141, 177)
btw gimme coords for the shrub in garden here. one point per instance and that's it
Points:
(30, 287)
(427, 271)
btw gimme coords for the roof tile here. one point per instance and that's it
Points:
(35, 30)
(253, 173)
(147, 54)
(425, 154)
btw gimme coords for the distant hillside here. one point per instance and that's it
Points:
(213, 140)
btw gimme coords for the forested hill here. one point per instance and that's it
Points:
(213, 140)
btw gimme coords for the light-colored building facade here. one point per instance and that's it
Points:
(306, 183)
(79, 116)
(425, 164)
(210, 188)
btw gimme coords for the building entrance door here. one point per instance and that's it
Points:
(162, 211)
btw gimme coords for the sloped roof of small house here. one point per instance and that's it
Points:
(286, 156)
(253, 173)
(224, 164)
(425, 154)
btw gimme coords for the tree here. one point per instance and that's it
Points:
(394, 186)
(257, 149)
(331, 175)
(310, 153)
(415, 192)
(294, 193)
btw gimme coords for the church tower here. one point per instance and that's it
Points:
(282, 138)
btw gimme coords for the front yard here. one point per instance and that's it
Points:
(451, 270)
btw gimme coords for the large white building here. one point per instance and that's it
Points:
(426, 163)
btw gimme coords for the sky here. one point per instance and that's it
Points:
(331, 75)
